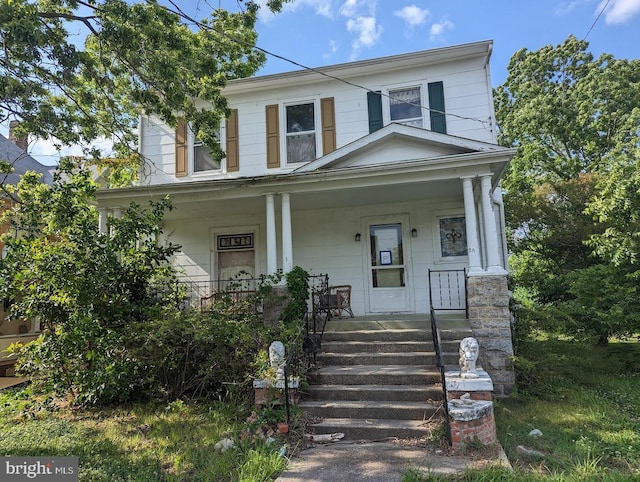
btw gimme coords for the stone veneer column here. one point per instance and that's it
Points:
(490, 321)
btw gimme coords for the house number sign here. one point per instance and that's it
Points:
(228, 242)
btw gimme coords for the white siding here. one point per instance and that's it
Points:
(324, 242)
(467, 97)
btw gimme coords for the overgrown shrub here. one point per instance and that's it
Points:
(201, 354)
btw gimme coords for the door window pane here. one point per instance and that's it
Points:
(388, 278)
(387, 256)
(386, 242)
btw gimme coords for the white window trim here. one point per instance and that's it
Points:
(437, 251)
(286, 165)
(386, 105)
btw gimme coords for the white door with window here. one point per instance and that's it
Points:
(388, 267)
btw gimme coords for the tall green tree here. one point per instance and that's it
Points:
(91, 291)
(136, 57)
(570, 188)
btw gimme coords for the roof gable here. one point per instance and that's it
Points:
(22, 162)
(397, 143)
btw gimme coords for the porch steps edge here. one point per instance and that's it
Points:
(377, 358)
(380, 335)
(376, 392)
(375, 429)
(370, 409)
(377, 346)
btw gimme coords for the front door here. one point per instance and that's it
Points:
(388, 273)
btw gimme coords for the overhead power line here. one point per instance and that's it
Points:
(486, 123)
(596, 20)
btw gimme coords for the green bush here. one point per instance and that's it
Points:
(200, 354)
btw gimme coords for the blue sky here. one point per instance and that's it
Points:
(314, 33)
(321, 32)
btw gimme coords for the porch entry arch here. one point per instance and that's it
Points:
(387, 255)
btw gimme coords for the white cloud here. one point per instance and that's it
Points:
(438, 29)
(565, 8)
(321, 7)
(333, 48)
(368, 33)
(413, 15)
(358, 8)
(619, 11)
(361, 22)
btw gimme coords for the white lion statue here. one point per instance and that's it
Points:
(469, 348)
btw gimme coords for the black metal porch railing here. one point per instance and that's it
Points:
(440, 365)
(197, 294)
(448, 290)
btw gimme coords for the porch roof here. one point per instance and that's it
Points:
(427, 178)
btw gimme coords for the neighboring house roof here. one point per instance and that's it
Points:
(22, 162)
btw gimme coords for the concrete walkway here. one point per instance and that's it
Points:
(379, 462)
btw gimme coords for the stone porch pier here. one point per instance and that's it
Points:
(490, 321)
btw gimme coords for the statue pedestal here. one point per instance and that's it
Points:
(272, 391)
(470, 409)
(480, 388)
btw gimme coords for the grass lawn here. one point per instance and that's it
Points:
(586, 402)
(146, 442)
(584, 399)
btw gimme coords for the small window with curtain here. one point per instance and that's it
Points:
(203, 161)
(301, 133)
(405, 106)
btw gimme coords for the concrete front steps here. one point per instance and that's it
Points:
(376, 379)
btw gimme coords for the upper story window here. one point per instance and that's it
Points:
(405, 106)
(301, 132)
(202, 159)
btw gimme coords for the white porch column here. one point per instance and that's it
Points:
(473, 245)
(272, 253)
(116, 212)
(490, 229)
(102, 220)
(287, 236)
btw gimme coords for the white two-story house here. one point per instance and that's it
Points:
(373, 172)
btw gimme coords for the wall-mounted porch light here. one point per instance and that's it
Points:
(414, 233)
(357, 237)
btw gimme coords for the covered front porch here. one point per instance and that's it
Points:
(382, 240)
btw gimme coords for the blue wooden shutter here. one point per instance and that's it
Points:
(374, 103)
(436, 104)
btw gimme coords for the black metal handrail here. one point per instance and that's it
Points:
(191, 294)
(448, 290)
(440, 365)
